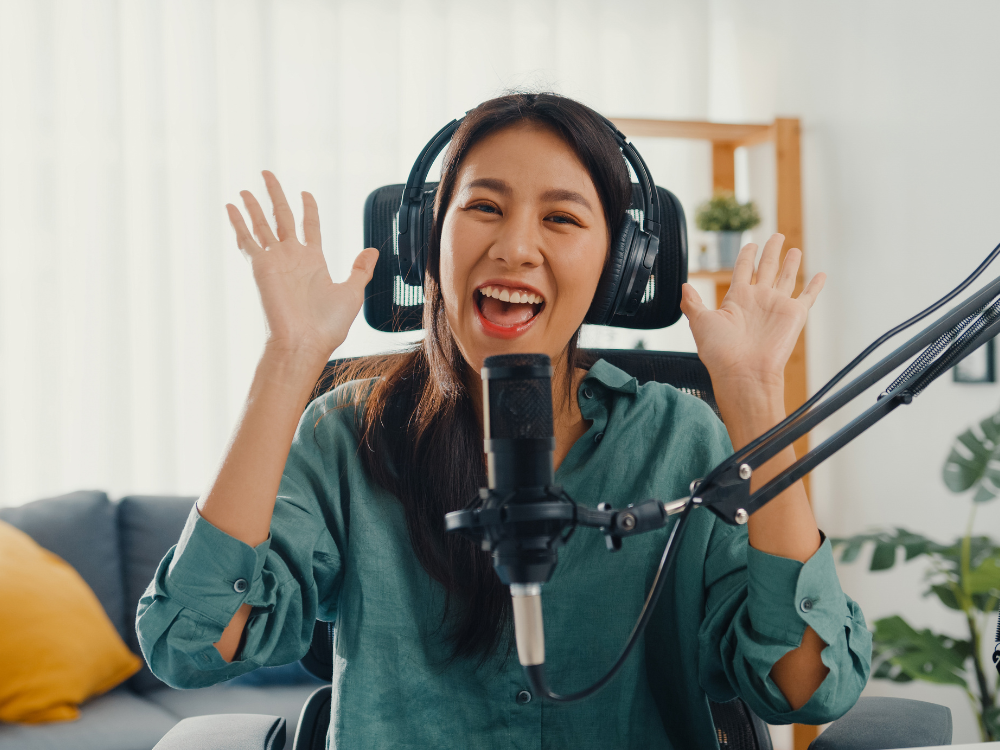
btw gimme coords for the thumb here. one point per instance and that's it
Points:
(363, 268)
(691, 304)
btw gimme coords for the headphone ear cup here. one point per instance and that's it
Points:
(421, 220)
(602, 307)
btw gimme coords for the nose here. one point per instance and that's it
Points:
(518, 244)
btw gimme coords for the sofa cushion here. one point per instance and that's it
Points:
(119, 720)
(81, 528)
(224, 698)
(149, 526)
(59, 647)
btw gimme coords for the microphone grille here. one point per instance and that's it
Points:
(518, 388)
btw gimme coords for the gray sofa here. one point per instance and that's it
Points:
(116, 546)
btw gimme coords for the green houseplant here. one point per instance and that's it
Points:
(729, 218)
(964, 575)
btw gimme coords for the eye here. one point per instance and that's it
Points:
(562, 219)
(486, 208)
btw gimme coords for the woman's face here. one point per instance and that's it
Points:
(522, 245)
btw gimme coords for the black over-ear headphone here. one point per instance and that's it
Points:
(633, 248)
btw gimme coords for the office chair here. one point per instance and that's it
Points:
(394, 305)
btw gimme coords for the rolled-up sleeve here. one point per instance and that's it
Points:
(290, 580)
(758, 607)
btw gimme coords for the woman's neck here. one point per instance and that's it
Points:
(568, 423)
(567, 420)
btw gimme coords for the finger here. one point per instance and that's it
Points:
(283, 216)
(691, 303)
(261, 229)
(767, 269)
(812, 290)
(243, 239)
(789, 272)
(743, 268)
(362, 270)
(310, 220)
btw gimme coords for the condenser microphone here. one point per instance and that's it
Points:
(519, 441)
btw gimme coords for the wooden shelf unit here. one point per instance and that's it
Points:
(722, 276)
(725, 139)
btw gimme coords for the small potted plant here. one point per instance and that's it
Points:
(729, 218)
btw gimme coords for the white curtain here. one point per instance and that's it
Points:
(129, 322)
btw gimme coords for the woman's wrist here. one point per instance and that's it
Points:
(290, 371)
(296, 358)
(749, 408)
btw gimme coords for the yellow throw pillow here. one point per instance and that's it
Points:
(57, 646)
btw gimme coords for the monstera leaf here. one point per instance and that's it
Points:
(946, 577)
(903, 654)
(974, 460)
(886, 543)
(985, 577)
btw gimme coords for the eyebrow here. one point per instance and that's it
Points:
(491, 183)
(555, 194)
(560, 194)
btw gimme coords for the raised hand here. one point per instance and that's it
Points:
(305, 312)
(748, 340)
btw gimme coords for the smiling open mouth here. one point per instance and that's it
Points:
(502, 306)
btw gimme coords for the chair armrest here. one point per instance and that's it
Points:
(226, 732)
(879, 723)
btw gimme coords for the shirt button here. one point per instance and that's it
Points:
(587, 393)
(806, 605)
(598, 437)
(240, 586)
(524, 697)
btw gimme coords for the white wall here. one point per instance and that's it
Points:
(900, 103)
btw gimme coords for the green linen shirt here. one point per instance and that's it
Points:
(339, 551)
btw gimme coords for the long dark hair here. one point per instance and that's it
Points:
(420, 437)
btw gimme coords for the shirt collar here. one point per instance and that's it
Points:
(611, 377)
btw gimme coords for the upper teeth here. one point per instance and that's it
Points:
(504, 295)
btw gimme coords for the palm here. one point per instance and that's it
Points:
(300, 300)
(752, 334)
(303, 307)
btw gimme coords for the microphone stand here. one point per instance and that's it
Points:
(726, 489)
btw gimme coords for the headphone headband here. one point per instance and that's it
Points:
(412, 192)
(651, 200)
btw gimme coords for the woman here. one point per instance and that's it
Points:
(532, 188)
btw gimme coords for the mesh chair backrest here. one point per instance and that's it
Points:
(683, 370)
(739, 728)
(391, 305)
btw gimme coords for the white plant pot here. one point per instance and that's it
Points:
(729, 248)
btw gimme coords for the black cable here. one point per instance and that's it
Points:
(740, 456)
(536, 674)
